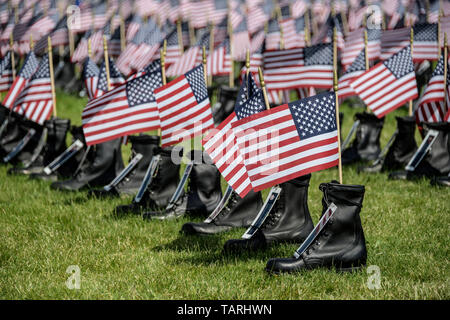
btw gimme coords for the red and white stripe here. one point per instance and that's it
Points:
(382, 92)
(187, 62)
(354, 43)
(218, 63)
(273, 151)
(392, 41)
(345, 90)
(285, 69)
(220, 144)
(6, 80)
(432, 106)
(109, 117)
(182, 117)
(291, 38)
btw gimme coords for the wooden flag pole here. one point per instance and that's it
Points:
(163, 66)
(52, 76)
(180, 36)
(31, 42)
(211, 50)
(105, 51)
(439, 34)
(13, 59)
(205, 75)
(247, 63)
(263, 87)
(89, 49)
(335, 87)
(231, 74)
(411, 42)
(307, 31)
(366, 57)
(122, 33)
(445, 70)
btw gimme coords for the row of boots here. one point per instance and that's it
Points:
(366, 147)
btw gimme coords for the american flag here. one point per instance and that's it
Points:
(7, 30)
(134, 24)
(425, 45)
(114, 44)
(127, 109)
(26, 72)
(325, 34)
(357, 68)
(173, 50)
(293, 32)
(147, 49)
(190, 58)
(184, 109)
(355, 17)
(59, 37)
(240, 41)
(389, 84)
(35, 101)
(115, 78)
(81, 52)
(6, 78)
(392, 41)
(354, 43)
(289, 141)
(90, 77)
(218, 63)
(273, 35)
(303, 67)
(256, 18)
(220, 143)
(432, 106)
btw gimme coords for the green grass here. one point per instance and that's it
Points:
(43, 232)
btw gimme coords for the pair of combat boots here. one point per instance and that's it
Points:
(203, 190)
(341, 244)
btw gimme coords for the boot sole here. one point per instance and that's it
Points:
(338, 270)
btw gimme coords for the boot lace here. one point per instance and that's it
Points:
(275, 213)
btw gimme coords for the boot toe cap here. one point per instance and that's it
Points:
(281, 265)
(192, 228)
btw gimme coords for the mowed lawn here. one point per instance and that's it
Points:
(43, 232)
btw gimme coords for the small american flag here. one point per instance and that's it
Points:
(127, 109)
(273, 35)
(241, 41)
(392, 41)
(289, 141)
(389, 84)
(293, 32)
(26, 72)
(184, 107)
(218, 63)
(425, 46)
(297, 68)
(6, 78)
(432, 106)
(357, 68)
(354, 43)
(90, 77)
(35, 101)
(174, 49)
(115, 78)
(81, 52)
(220, 143)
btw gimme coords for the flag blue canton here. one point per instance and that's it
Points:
(359, 64)
(400, 64)
(425, 32)
(154, 66)
(196, 80)
(319, 54)
(255, 103)
(29, 66)
(439, 70)
(273, 26)
(5, 63)
(90, 69)
(314, 115)
(44, 70)
(114, 73)
(140, 90)
(172, 38)
(373, 34)
(300, 24)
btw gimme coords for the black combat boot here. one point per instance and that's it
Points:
(401, 150)
(146, 146)
(341, 243)
(204, 191)
(55, 144)
(237, 213)
(107, 163)
(161, 188)
(437, 162)
(366, 145)
(288, 221)
(227, 99)
(441, 181)
(12, 134)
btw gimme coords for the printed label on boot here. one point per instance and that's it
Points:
(350, 134)
(20, 145)
(422, 151)
(310, 238)
(124, 172)
(63, 157)
(180, 186)
(148, 178)
(221, 204)
(263, 213)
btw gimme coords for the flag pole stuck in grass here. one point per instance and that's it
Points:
(13, 61)
(52, 76)
(263, 87)
(335, 87)
(412, 54)
(366, 58)
(105, 51)
(445, 70)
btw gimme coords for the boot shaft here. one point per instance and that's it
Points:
(404, 145)
(145, 145)
(367, 140)
(56, 138)
(438, 158)
(227, 99)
